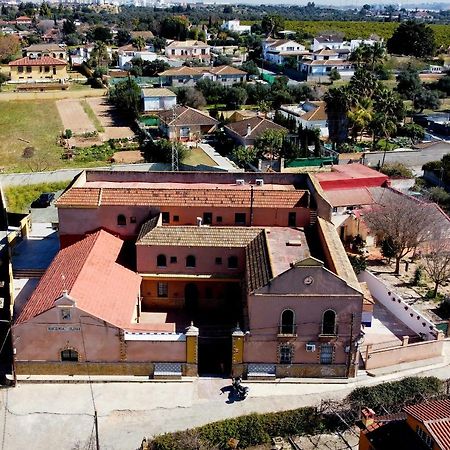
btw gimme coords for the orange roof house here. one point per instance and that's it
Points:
(44, 68)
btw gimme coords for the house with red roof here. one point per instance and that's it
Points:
(177, 273)
(38, 69)
(421, 426)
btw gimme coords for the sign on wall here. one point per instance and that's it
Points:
(63, 328)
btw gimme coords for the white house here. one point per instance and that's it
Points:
(329, 41)
(158, 99)
(235, 26)
(308, 114)
(127, 53)
(276, 50)
(188, 50)
(80, 55)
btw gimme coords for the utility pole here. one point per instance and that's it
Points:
(174, 157)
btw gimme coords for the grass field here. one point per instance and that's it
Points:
(196, 156)
(92, 116)
(29, 124)
(19, 198)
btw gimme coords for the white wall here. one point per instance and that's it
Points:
(398, 307)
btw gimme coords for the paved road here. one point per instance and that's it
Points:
(60, 416)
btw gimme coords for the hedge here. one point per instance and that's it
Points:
(394, 395)
(252, 429)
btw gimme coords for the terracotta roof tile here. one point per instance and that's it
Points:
(184, 115)
(43, 61)
(257, 127)
(84, 198)
(432, 410)
(258, 267)
(88, 271)
(440, 431)
(204, 236)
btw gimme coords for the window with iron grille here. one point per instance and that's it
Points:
(286, 354)
(326, 353)
(163, 289)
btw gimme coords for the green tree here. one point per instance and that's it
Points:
(3, 80)
(250, 67)
(9, 47)
(99, 33)
(126, 95)
(270, 144)
(69, 27)
(412, 38)
(123, 37)
(360, 117)
(337, 105)
(426, 99)
(99, 56)
(235, 97)
(161, 151)
(272, 24)
(243, 155)
(334, 75)
(408, 83)
(139, 43)
(189, 96)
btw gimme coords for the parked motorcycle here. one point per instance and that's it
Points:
(241, 392)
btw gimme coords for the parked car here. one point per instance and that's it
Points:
(44, 200)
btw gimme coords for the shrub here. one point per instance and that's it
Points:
(394, 395)
(418, 276)
(432, 166)
(438, 195)
(396, 170)
(358, 262)
(68, 134)
(28, 152)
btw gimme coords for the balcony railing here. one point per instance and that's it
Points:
(287, 330)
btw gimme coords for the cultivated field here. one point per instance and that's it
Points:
(74, 117)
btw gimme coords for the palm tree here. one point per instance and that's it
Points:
(360, 117)
(99, 55)
(338, 101)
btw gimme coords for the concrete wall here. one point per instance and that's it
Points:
(398, 307)
(403, 354)
(54, 73)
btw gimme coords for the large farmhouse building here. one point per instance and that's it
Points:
(170, 274)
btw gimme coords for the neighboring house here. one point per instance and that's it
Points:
(235, 26)
(45, 68)
(24, 20)
(52, 50)
(422, 426)
(276, 51)
(158, 99)
(321, 62)
(246, 131)
(189, 76)
(186, 124)
(210, 248)
(188, 50)
(308, 114)
(327, 41)
(82, 54)
(128, 52)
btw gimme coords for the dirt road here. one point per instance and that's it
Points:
(73, 116)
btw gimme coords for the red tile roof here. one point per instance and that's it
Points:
(256, 125)
(42, 61)
(432, 410)
(95, 197)
(88, 271)
(184, 115)
(440, 432)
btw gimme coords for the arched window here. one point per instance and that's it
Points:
(329, 322)
(161, 261)
(287, 322)
(69, 355)
(232, 262)
(61, 56)
(190, 261)
(121, 220)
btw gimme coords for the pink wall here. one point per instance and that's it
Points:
(205, 260)
(78, 221)
(308, 302)
(408, 353)
(34, 342)
(156, 351)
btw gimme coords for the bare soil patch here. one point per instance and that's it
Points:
(73, 117)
